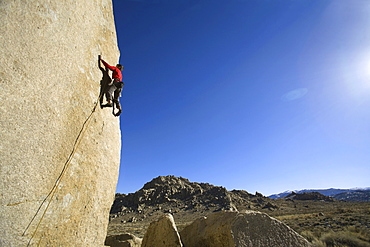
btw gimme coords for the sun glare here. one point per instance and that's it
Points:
(367, 70)
(356, 75)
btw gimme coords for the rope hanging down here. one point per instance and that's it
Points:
(57, 182)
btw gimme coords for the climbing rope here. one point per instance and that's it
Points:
(57, 182)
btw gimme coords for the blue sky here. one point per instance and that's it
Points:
(260, 95)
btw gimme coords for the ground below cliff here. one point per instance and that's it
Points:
(311, 214)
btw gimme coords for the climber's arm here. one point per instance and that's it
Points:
(107, 65)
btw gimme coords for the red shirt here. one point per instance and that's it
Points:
(117, 73)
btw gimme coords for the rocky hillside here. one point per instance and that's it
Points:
(186, 200)
(358, 195)
(315, 196)
(173, 190)
(185, 195)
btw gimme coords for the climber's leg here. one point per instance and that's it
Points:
(108, 94)
(117, 94)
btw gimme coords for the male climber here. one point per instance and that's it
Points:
(115, 87)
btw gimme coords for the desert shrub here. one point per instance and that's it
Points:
(352, 229)
(318, 243)
(312, 237)
(344, 238)
(308, 235)
(361, 233)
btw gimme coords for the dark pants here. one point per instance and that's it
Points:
(114, 89)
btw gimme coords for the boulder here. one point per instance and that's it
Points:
(162, 233)
(240, 229)
(60, 153)
(123, 240)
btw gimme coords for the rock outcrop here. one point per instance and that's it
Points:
(60, 153)
(123, 240)
(162, 233)
(240, 230)
(178, 191)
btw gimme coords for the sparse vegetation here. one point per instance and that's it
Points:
(331, 224)
(351, 237)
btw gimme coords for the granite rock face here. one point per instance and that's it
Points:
(251, 228)
(60, 152)
(162, 233)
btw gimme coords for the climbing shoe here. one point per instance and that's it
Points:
(107, 105)
(118, 113)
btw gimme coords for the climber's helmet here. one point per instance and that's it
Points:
(120, 67)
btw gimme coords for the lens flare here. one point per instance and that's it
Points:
(294, 94)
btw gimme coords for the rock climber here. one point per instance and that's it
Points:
(115, 87)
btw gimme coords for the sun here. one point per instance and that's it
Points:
(367, 69)
(355, 75)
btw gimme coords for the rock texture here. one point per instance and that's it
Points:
(59, 156)
(162, 233)
(240, 229)
(123, 240)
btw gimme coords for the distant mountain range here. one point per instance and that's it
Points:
(355, 194)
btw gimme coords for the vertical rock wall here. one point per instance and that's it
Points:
(59, 157)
